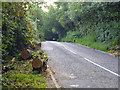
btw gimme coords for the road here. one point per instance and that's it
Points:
(78, 66)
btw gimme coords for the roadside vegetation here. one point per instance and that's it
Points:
(18, 30)
(22, 75)
(94, 24)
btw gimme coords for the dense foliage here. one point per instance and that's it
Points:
(100, 19)
(88, 23)
(93, 22)
(17, 28)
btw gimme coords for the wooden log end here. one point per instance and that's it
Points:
(36, 63)
(25, 54)
(39, 44)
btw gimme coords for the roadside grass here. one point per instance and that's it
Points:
(90, 41)
(22, 76)
(111, 51)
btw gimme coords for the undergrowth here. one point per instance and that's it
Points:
(22, 76)
(91, 41)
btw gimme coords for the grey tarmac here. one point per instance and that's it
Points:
(78, 66)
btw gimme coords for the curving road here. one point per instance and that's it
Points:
(78, 66)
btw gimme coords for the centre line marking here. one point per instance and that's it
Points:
(64, 47)
(102, 67)
(70, 50)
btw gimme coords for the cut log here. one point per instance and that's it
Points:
(26, 53)
(29, 53)
(37, 63)
(39, 44)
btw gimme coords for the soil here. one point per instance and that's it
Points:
(49, 80)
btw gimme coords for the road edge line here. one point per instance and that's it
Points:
(102, 67)
(52, 77)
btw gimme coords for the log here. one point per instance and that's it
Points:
(26, 54)
(29, 53)
(37, 64)
(39, 44)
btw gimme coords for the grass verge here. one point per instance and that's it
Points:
(90, 41)
(22, 76)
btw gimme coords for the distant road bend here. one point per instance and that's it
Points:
(78, 66)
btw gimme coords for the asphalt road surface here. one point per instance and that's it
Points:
(78, 66)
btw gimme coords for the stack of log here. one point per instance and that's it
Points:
(33, 52)
(39, 59)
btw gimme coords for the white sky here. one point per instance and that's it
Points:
(49, 2)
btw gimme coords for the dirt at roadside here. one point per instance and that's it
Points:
(50, 83)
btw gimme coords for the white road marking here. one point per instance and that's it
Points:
(104, 52)
(89, 60)
(56, 43)
(70, 50)
(96, 64)
(55, 82)
(102, 67)
(64, 47)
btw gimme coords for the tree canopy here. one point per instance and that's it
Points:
(68, 21)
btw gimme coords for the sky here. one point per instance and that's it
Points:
(49, 2)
